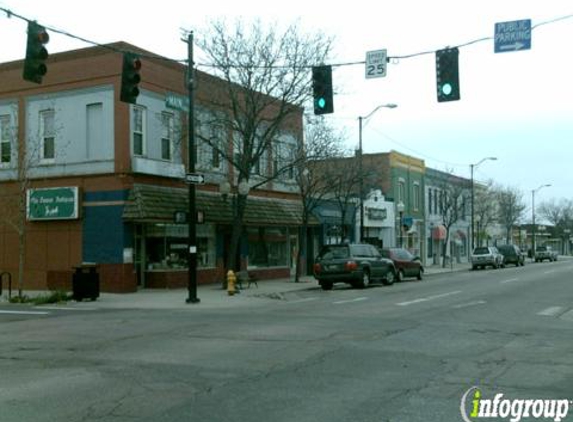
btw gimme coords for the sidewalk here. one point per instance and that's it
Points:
(211, 295)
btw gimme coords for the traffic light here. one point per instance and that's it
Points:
(322, 89)
(447, 75)
(36, 54)
(130, 78)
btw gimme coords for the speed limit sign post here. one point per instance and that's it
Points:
(376, 64)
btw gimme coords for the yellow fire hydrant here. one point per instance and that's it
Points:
(231, 281)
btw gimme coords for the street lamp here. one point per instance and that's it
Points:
(472, 166)
(400, 208)
(360, 119)
(533, 218)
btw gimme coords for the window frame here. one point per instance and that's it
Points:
(167, 128)
(135, 112)
(5, 123)
(44, 147)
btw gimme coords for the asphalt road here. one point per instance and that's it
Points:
(404, 353)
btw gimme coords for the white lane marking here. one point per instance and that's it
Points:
(358, 299)
(551, 311)
(511, 280)
(467, 305)
(23, 312)
(62, 308)
(308, 299)
(425, 299)
(549, 272)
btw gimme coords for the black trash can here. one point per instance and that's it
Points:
(85, 282)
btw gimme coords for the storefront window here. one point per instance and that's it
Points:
(268, 247)
(166, 246)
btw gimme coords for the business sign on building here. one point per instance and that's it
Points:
(52, 204)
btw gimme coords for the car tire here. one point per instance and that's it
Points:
(326, 285)
(400, 276)
(390, 277)
(421, 274)
(365, 282)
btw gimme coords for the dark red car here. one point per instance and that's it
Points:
(407, 265)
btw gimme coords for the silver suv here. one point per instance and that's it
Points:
(487, 256)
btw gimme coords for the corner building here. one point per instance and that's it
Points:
(101, 180)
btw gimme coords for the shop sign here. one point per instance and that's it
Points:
(377, 213)
(52, 204)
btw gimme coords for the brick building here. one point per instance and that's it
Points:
(101, 178)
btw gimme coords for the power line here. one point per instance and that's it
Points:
(10, 14)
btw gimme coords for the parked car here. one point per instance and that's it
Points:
(545, 252)
(356, 263)
(486, 256)
(512, 255)
(406, 264)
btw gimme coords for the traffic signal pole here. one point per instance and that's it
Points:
(192, 217)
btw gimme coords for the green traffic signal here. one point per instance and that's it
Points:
(322, 89)
(447, 75)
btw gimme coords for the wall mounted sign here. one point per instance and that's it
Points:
(52, 204)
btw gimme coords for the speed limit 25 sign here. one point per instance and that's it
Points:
(376, 64)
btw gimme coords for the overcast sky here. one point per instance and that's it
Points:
(515, 106)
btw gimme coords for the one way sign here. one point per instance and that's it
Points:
(195, 178)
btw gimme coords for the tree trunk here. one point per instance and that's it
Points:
(445, 250)
(239, 204)
(301, 249)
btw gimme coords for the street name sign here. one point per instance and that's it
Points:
(512, 36)
(176, 101)
(376, 64)
(195, 178)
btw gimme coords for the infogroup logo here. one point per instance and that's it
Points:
(474, 407)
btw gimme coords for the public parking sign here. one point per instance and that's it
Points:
(512, 36)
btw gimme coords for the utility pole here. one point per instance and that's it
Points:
(192, 217)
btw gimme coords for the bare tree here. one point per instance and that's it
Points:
(451, 205)
(322, 142)
(510, 208)
(267, 83)
(560, 214)
(485, 211)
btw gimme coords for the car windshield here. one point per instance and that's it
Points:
(334, 252)
(481, 251)
(542, 248)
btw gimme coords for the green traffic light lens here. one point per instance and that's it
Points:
(447, 89)
(321, 103)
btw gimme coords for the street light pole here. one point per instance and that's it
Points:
(360, 163)
(472, 166)
(533, 218)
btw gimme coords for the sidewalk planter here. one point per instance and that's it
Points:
(85, 282)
